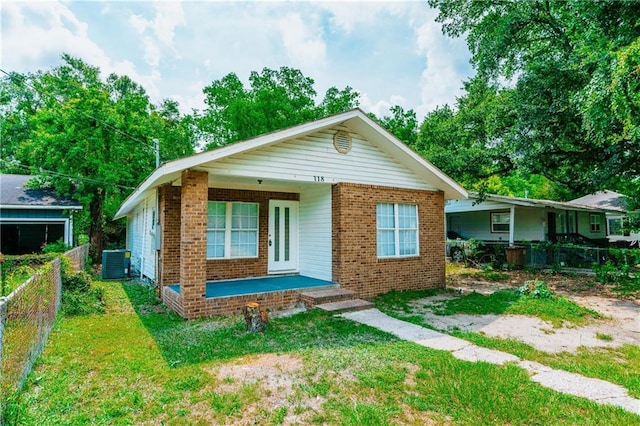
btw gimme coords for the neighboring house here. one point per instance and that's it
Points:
(337, 201)
(30, 218)
(617, 213)
(509, 220)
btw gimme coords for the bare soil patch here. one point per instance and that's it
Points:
(277, 378)
(620, 324)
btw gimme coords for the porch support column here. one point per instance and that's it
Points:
(193, 243)
(512, 224)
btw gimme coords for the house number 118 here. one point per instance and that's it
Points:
(318, 178)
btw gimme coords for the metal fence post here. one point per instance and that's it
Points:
(3, 320)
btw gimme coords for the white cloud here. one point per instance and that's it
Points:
(158, 33)
(303, 41)
(52, 29)
(33, 32)
(389, 51)
(446, 67)
(349, 16)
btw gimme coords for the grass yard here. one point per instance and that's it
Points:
(137, 364)
(619, 365)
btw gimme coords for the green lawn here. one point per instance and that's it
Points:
(619, 365)
(138, 365)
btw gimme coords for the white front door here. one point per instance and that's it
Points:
(283, 236)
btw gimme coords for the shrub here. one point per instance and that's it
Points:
(630, 257)
(79, 296)
(608, 273)
(57, 247)
(534, 289)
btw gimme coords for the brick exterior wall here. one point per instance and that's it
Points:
(355, 262)
(193, 242)
(173, 301)
(169, 259)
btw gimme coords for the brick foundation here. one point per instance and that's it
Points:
(272, 301)
(355, 261)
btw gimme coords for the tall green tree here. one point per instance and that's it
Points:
(18, 104)
(402, 124)
(275, 99)
(573, 66)
(92, 138)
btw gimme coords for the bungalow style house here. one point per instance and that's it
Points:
(617, 214)
(334, 202)
(30, 218)
(501, 219)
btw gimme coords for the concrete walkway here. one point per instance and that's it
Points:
(599, 391)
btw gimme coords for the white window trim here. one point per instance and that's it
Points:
(228, 229)
(396, 232)
(493, 231)
(591, 223)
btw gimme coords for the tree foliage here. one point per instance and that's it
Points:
(572, 71)
(88, 137)
(402, 124)
(275, 99)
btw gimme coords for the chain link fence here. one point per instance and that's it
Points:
(27, 316)
(565, 256)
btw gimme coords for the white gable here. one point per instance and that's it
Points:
(305, 153)
(312, 158)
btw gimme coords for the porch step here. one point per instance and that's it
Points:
(346, 306)
(316, 297)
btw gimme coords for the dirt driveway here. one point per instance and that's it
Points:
(620, 324)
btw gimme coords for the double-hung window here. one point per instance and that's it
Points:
(500, 222)
(594, 223)
(397, 226)
(232, 230)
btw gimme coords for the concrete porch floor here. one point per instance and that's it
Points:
(258, 285)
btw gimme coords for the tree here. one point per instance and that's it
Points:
(18, 104)
(573, 66)
(464, 143)
(92, 138)
(403, 124)
(273, 101)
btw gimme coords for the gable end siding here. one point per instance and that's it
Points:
(312, 156)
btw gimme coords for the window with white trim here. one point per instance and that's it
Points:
(594, 223)
(397, 227)
(232, 230)
(500, 222)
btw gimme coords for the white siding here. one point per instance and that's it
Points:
(315, 232)
(467, 205)
(477, 224)
(314, 158)
(135, 224)
(149, 252)
(140, 238)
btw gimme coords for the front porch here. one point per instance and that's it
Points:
(225, 297)
(258, 285)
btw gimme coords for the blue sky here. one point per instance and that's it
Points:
(391, 52)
